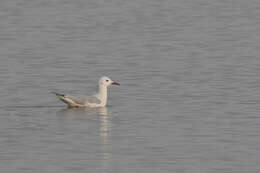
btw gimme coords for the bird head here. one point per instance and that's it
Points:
(106, 81)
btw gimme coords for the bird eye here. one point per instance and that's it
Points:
(107, 80)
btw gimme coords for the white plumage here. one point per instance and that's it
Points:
(97, 100)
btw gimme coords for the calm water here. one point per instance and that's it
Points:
(189, 99)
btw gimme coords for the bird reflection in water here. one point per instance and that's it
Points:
(104, 129)
(76, 112)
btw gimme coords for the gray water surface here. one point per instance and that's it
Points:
(189, 100)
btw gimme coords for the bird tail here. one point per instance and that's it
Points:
(66, 100)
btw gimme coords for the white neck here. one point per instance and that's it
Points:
(102, 94)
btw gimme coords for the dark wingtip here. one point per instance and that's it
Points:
(57, 94)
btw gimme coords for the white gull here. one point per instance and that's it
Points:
(97, 100)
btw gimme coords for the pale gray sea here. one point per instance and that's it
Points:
(189, 100)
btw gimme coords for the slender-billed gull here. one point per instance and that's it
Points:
(97, 100)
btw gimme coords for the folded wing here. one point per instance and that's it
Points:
(84, 100)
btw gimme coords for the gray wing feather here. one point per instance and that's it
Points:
(85, 99)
